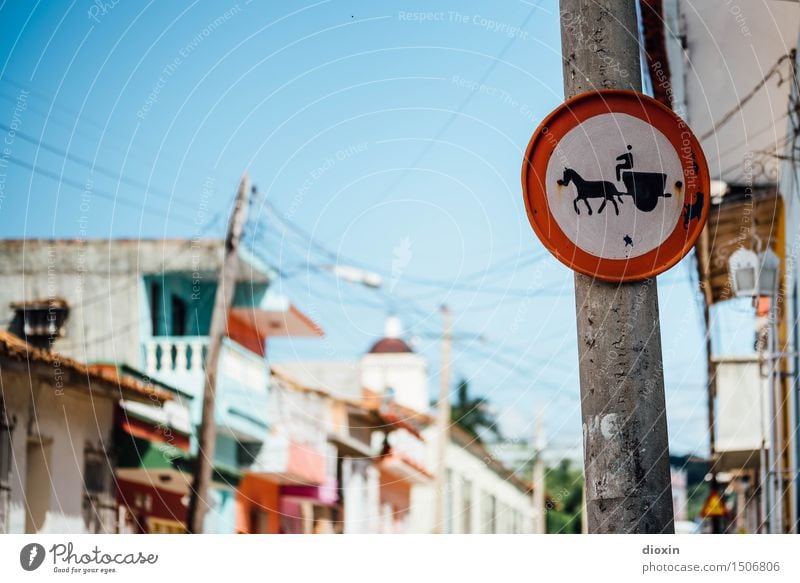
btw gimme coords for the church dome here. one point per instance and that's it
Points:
(391, 343)
(390, 346)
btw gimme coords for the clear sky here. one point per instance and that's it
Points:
(391, 133)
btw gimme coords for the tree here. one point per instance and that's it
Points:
(475, 415)
(564, 499)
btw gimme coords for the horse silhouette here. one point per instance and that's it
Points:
(591, 189)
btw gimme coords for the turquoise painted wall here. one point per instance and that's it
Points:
(198, 297)
(222, 519)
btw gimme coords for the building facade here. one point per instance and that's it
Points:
(147, 305)
(728, 70)
(397, 492)
(57, 440)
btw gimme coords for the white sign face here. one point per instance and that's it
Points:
(614, 186)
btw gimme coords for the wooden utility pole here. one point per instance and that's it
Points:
(443, 424)
(203, 469)
(703, 251)
(626, 453)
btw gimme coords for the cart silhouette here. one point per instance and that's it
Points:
(644, 187)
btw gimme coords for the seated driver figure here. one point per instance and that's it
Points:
(625, 163)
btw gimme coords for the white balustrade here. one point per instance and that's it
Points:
(174, 355)
(197, 355)
(150, 358)
(165, 362)
(180, 356)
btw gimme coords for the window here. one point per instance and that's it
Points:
(155, 307)
(40, 322)
(95, 467)
(6, 452)
(99, 508)
(178, 312)
(247, 452)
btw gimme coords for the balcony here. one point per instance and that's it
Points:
(292, 463)
(176, 360)
(242, 381)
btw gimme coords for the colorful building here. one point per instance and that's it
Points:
(291, 485)
(747, 122)
(57, 435)
(147, 305)
(384, 478)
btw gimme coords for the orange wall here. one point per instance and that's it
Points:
(262, 494)
(396, 492)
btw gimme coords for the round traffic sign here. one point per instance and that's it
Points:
(616, 185)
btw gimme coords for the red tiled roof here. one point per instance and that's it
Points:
(15, 348)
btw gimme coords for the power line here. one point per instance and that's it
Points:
(744, 100)
(50, 101)
(431, 143)
(116, 143)
(423, 281)
(83, 187)
(95, 167)
(751, 137)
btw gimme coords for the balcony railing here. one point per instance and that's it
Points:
(175, 355)
(242, 380)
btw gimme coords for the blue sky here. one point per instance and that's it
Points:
(391, 133)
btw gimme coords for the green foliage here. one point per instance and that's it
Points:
(473, 414)
(564, 499)
(696, 498)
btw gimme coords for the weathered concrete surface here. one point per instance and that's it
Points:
(626, 454)
(102, 281)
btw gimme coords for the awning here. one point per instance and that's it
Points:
(271, 313)
(163, 465)
(404, 469)
(325, 494)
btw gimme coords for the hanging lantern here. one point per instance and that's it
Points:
(768, 279)
(743, 266)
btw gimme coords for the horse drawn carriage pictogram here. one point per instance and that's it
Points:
(644, 187)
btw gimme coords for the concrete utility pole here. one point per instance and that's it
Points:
(226, 285)
(626, 454)
(443, 423)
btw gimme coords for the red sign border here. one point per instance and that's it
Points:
(543, 145)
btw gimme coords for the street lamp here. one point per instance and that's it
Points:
(743, 271)
(356, 275)
(754, 275)
(768, 274)
(759, 276)
(719, 188)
